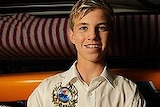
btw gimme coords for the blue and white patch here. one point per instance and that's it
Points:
(65, 96)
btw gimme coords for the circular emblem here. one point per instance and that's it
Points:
(65, 94)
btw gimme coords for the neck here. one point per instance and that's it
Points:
(89, 70)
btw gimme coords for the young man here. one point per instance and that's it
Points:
(88, 82)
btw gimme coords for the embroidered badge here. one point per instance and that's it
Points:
(65, 96)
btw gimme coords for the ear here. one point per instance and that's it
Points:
(71, 35)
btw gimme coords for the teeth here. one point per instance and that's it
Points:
(93, 46)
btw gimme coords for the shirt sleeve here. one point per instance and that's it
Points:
(139, 101)
(35, 99)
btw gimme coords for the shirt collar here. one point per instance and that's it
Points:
(71, 75)
(108, 76)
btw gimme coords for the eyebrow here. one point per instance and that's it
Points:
(79, 24)
(103, 23)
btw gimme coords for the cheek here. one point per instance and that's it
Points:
(79, 38)
(105, 40)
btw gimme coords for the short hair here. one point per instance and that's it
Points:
(82, 7)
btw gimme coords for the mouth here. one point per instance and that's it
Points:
(93, 46)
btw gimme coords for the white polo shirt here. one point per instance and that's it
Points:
(67, 89)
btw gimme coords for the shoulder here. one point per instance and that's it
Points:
(129, 90)
(55, 78)
(124, 84)
(120, 82)
(48, 83)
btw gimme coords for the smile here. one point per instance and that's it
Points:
(93, 46)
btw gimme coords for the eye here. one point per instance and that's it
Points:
(102, 28)
(83, 28)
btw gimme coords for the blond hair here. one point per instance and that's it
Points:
(82, 7)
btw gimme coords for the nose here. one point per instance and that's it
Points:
(93, 34)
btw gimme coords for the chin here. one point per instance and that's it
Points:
(97, 60)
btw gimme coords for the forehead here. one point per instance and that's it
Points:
(98, 15)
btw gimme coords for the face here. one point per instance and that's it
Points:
(90, 35)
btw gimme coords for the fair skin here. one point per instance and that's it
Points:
(90, 35)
